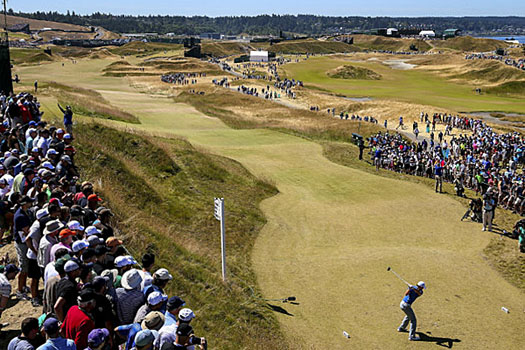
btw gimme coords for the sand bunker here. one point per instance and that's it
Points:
(399, 64)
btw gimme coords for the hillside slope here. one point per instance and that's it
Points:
(62, 29)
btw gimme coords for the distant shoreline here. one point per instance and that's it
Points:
(520, 38)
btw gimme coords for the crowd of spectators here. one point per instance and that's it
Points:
(182, 78)
(489, 163)
(96, 296)
(286, 86)
(509, 61)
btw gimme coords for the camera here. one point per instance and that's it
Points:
(198, 341)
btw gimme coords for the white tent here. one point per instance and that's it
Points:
(258, 56)
(427, 34)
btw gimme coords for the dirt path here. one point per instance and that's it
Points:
(333, 230)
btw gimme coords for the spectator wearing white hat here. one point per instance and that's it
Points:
(74, 225)
(124, 263)
(66, 289)
(92, 230)
(154, 303)
(161, 277)
(51, 231)
(167, 333)
(185, 339)
(79, 247)
(129, 296)
(94, 241)
(30, 137)
(52, 155)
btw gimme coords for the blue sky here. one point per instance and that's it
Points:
(409, 8)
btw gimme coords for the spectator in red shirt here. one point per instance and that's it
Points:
(24, 111)
(79, 322)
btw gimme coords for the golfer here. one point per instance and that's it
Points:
(411, 295)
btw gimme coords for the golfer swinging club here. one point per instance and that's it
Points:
(411, 295)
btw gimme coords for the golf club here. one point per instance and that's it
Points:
(395, 273)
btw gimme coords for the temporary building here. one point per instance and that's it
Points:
(392, 32)
(427, 34)
(258, 56)
(451, 33)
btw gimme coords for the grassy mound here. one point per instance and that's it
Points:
(162, 194)
(310, 46)
(140, 48)
(183, 65)
(353, 72)
(489, 71)
(241, 111)
(86, 102)
(511, 88)
(469, 44)
(29, 56)
(224, 49)
(372, 42)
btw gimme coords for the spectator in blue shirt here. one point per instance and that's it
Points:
(68, 118)
(30, 331)
(55, 341)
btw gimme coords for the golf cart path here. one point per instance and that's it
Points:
(332, 231)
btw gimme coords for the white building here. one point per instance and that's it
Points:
(392, 32)
(258, 56)
(427, 34)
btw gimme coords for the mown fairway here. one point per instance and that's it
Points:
(415, 85)
(332, 231)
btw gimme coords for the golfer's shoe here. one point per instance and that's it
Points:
(401, 329)
(414, 338)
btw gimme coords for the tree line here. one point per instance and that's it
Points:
(273, 24)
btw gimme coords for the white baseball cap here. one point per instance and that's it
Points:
(41, 213)
(71, 266)
(75, 225)
(94, 240)
(422, 284)
(186, 315)
(163, 274)
(79, 245)
(125, 260)
(155, 298)
(92, 230)
(48, 165)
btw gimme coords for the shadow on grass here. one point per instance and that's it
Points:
(445, 342)
(279, 309)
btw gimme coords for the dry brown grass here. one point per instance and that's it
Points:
(35, 24)
(469, 44)
(373, 42)
(86, 102)
(244, 111)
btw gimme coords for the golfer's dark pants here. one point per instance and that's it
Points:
(410, 317)
(360, 154)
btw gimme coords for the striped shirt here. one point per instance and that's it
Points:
(128, 303)
(5, 286)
